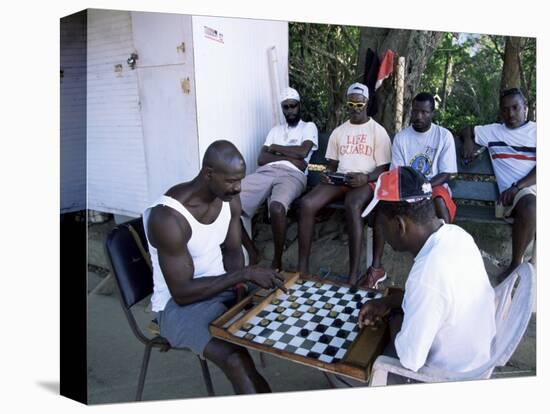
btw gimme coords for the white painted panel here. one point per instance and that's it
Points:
(158, 38)
(232, 80)
(117, 179)
(73, 112)
(168, 112)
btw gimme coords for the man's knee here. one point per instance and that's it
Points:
(307, 206)
(238, 360)
(526, 208)
(354, 205)
(277, 209)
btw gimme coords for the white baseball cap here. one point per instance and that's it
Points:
(289, 93)
(359, 89)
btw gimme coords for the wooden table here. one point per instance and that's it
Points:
(358, 357)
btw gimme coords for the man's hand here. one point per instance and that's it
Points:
(265, 278)
(357, 179)
(372, 312)
(325, 178)
(507, 197)
(468, 149)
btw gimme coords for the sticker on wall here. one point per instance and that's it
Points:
(213, 34)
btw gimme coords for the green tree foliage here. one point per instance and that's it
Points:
(322, 60)
(464, 73)
(469, 94)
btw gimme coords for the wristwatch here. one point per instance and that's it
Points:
(515, 184)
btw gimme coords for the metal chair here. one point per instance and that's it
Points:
(514, 302)
(127, 250)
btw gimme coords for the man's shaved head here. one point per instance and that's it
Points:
(223, 156)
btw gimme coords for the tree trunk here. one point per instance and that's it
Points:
(417, 46)
(511, 68)
(447, 76)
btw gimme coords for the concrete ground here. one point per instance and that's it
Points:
(114, 354)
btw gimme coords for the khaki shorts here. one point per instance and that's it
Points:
(278, 182)
(506, 211)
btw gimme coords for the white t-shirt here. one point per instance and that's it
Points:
(449, 306)
(513, 151)
(431, 152)
(359, 147)
(289, 136)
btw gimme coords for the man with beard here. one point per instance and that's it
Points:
(281, 177)
(194, 240)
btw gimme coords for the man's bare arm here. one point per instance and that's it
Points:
(440, 179)
(293, 151)
(265, 157)
(232, 251)
(169, 232)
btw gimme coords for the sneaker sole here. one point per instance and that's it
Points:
(380, 280)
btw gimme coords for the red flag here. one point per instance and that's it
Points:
(386, 68)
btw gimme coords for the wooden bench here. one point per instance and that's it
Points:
(475, 189)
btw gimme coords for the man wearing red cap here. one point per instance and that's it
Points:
(446, 316)
(359, 150)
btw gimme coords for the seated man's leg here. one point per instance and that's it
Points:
(287, 187)
(255, 188)
(523, 231)
(238, 366)
(187, 327)
(375, 272)
(355, 202)
(310, 204)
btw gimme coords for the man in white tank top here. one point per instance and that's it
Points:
(195, 244)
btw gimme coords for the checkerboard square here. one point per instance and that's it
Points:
(276, 335)
(337, 342)
(296, 341)
(319, 347)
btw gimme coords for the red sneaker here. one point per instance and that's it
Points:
(375, 275)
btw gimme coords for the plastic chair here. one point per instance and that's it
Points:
(127, 250)
(514, 302)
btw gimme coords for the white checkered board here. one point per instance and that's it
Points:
(310, 328)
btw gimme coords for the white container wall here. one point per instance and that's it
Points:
(117, 174)
(167, 94)
(233, 83)
(195, 80)
(73, 113)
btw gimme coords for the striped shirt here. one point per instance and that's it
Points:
(513, 151)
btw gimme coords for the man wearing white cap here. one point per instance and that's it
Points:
(360, 149)
(281, 177)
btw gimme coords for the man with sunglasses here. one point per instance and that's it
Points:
(281, 177)
(512, 145)
(361, 149)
